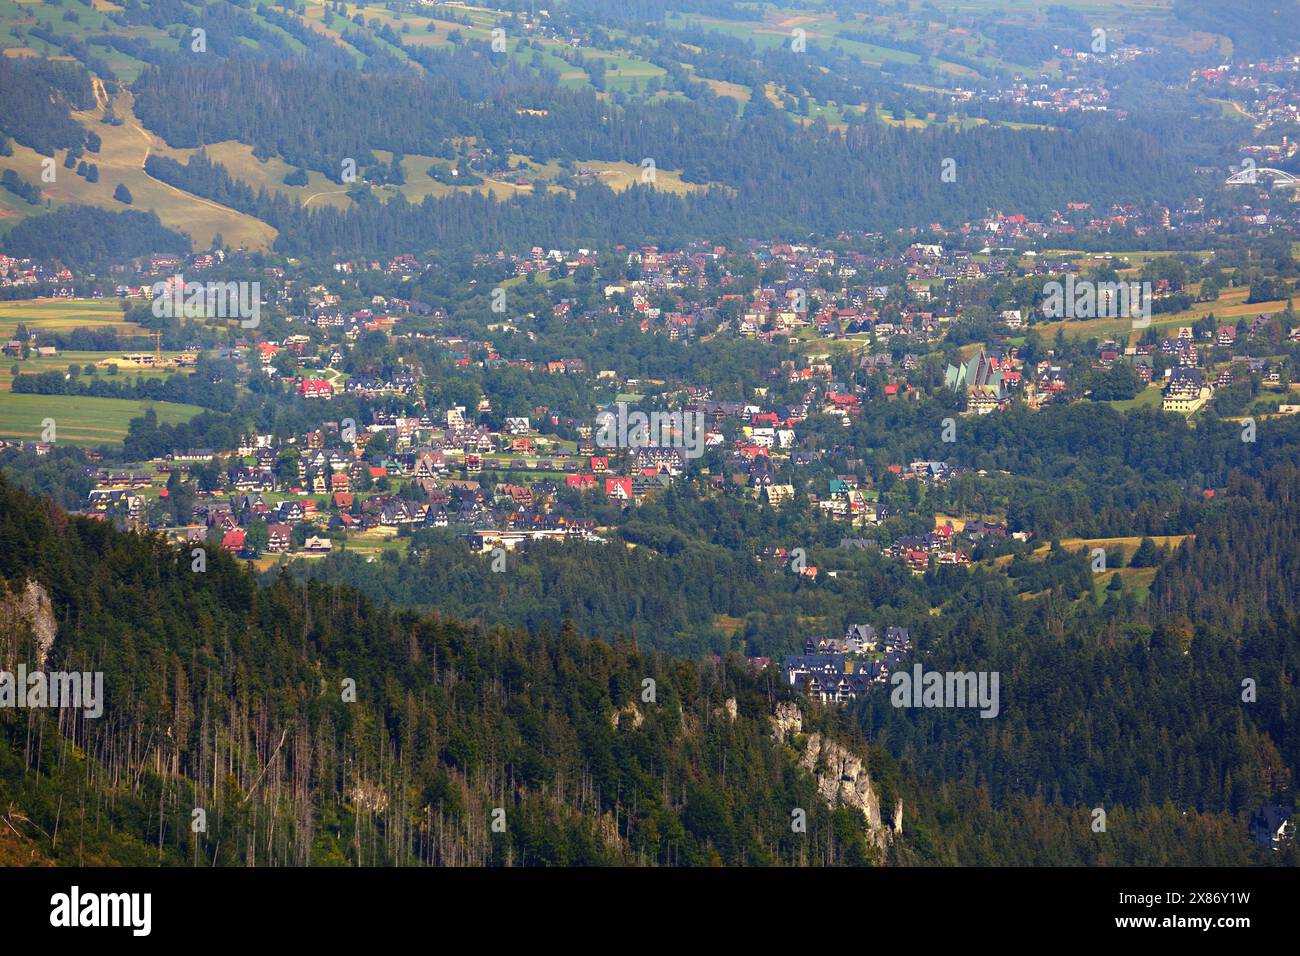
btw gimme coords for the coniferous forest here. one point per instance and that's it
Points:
(236, 699)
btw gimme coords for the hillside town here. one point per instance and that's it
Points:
(859, 328)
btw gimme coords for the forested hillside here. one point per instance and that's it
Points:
(533, 110)
(771, 173)
(230, 698)
(234, 699)
(1178, 709)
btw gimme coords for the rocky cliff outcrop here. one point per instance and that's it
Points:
(728, 709)
(787, 721)
(842, 778)
(23, 611)
(841, 774)
(628, 715)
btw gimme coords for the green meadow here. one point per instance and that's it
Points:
(79, 420)
(61, 315)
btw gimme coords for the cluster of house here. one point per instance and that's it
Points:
(495, 515)
(917, 550)
(846, 501)
(344, 486)
(340, 483)
(18, 273)
(947, 546)
(363, 488)
(836, 670)
(14, 349)
(989, 381)
(1261, 91)
(662, 293)
(1189, 385)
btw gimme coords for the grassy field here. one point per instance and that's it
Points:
(1230, 306)
(60, 363)
(620, 176)
(79, 420)
(269, 174)
(728, 625)
(367, 544)
(881, 30)
(121, 161)
(1137, 581)
(1126, 544)
(63, 315)
(1149, 397)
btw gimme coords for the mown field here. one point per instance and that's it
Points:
(121, 161)
(1126, 544)
(62, 315)
(79, 420)
(1149, 397)
(1228, 308)
(1137, 581)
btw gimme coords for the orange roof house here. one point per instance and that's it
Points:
(619, 488)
